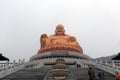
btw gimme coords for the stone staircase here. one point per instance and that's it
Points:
(82, 73)
(29, 74)
(44, 73)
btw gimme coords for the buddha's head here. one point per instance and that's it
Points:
(59, 30)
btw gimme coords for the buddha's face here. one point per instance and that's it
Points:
(59, 30)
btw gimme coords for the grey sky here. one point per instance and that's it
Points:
(95, 24)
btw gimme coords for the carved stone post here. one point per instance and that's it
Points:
(96, 61)
(106, 62)
(23, 61)
(7, 65)
(19, 62)
(100, 61)
(113, 64)
(14, 63)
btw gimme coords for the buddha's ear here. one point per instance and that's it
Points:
(44, 36)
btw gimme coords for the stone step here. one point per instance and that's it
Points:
(44, 73)
(82, 73)
(28, 74)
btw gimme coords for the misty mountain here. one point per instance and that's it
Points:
(106, 58)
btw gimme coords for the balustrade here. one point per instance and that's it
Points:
(10, 67)
(109, 66)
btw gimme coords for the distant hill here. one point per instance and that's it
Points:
(108, 58)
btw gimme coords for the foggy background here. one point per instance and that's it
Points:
(94, 23)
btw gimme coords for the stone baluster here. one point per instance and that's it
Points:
(19, 62)
(23, 61)
(14, 63)
(10, 65)
(106, 63)
(7, 65)
(100, 61)
(1, 65)
(96, 61)
(113, 64)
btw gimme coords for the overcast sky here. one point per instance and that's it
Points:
(95, 24)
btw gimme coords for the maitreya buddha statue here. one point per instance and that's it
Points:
(59, 41)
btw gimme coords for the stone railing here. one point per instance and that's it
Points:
(34, 64)
(109, 67)
(10, 67)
